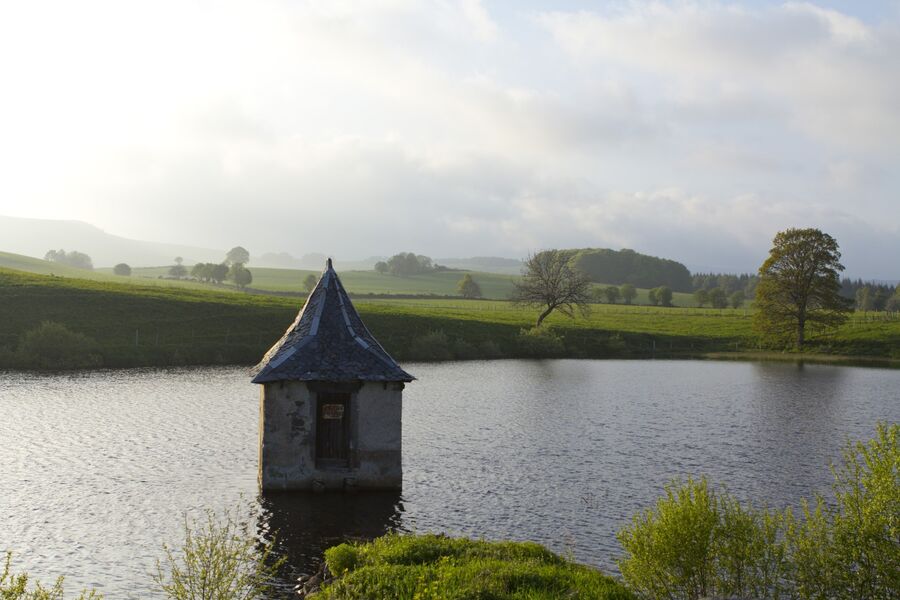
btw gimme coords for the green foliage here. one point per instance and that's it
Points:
(407, 264)
(468, 287)
(539, 342)
(434, 345)
(220, 559)
(75, 259)
(865, 524)
(381, 267)
(670, 548)
(718, 298)
(736, 300)
(611, 293)
(660, 296)
(15, 587)
(627, 266)
(629, 293)
(799, 286)
(122, 270)
(52, 345)
(437, 567)
(701, 297)
(309, 283)
(178, 271)
(238, 254)
(893, 303)
(209, 272)
(240, 275)
(696, 543)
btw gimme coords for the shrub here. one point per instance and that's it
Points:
(539, 342)
(434, 345)
(866, 524)
(695, 543)
(15, 587)
(489, 349)
(220, 560)
(851, 548)
(122, 269)
(669, 549)
(54, 346)
(344, 557)
(463, 350)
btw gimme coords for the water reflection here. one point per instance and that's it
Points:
(304, 525)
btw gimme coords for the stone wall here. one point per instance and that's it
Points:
(287, 442)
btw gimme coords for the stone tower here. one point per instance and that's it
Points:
(330, 404)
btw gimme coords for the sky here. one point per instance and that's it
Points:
(690, 130)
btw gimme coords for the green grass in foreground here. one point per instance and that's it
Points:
(149, 325)
(437, 567)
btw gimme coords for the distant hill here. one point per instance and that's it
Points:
(616, 267)
(33, 237)
(485, 264)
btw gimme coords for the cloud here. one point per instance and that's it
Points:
(689, 130)
(833, 76)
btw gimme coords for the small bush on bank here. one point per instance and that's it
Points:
(433, 346)
(15, 587)
(489, 349)
(432, 567)
(696, 543)
(539, 342)
(220, 559)
(54, 346)
(850, 548)
(438, 346)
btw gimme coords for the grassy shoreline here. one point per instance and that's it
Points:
(140, 326)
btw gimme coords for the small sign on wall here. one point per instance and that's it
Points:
(333, 411)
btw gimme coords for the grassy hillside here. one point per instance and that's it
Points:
(153, 325)
(494, 286)
(43, 267)
(442, 283)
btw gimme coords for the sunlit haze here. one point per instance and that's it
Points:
(690, 130)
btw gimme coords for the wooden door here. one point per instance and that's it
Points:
(333, 429)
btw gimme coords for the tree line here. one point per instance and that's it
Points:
(602, 265)
(73, 258)
(407, 264)
(798, 288)
(231, 268)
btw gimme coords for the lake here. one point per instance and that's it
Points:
(98, 468)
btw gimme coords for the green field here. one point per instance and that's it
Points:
(137, 325)
(43, 267)
(441, 283)
(359, 283)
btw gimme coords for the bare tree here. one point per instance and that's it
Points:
(550, 281)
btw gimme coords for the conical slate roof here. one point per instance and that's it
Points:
(328, 342)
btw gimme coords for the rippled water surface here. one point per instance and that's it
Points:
(97, 469)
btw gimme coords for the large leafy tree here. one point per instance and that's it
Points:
(550, 281)
(799, 285)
